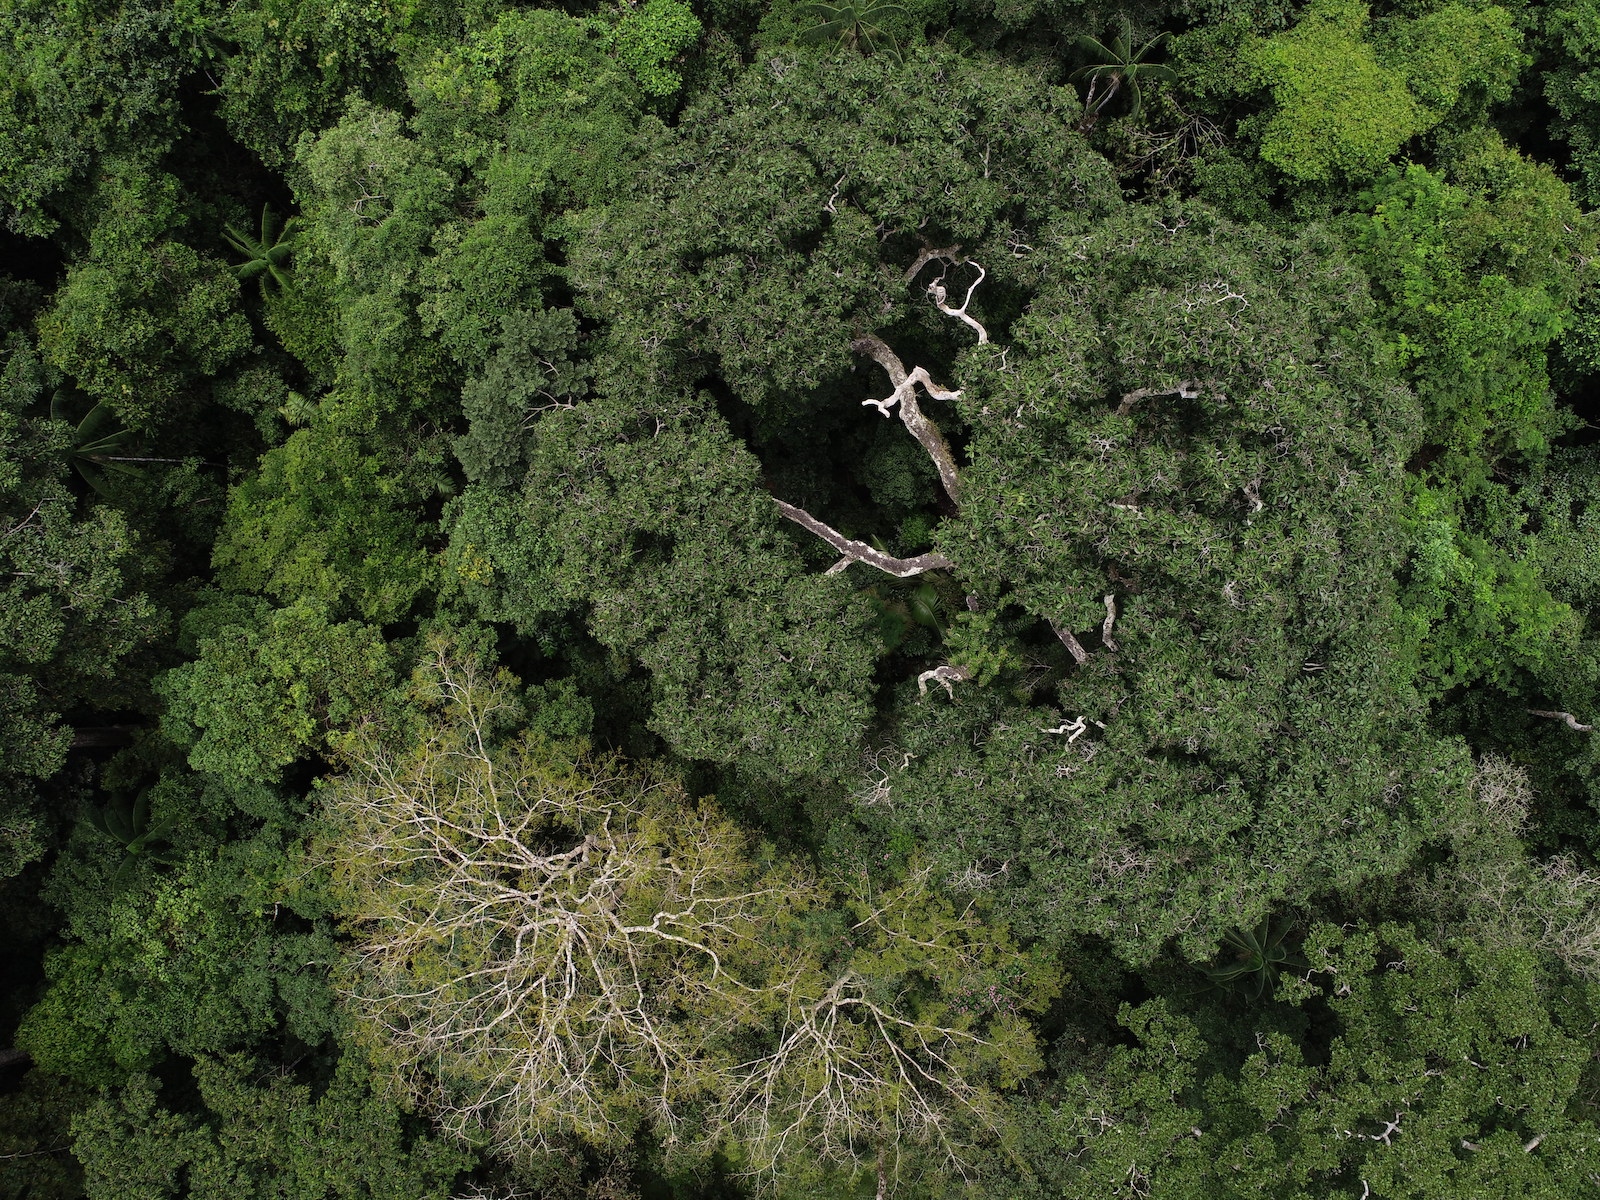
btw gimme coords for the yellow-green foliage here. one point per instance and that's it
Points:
(1346, 101)
(1337, 110)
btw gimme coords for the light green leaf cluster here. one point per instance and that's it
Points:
(1345, 102)
(651, 38)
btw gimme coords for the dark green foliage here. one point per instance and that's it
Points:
(73, 611)
(1452, 1069)
(292, 62)
(80, 81)
(36, 1161)
(260, 1133)
(143, 319)
(652, 522)
(271, 686)
(202, 958)
(532, 371)
(778, 220)
(1237, 681)
(1157, 435)
(331, 516)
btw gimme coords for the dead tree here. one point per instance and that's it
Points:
(539, 949)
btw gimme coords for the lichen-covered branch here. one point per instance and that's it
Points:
(854, 551)
(911, 414)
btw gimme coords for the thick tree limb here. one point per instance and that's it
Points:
(1105, 626)
(860, 552)
(1187, 389)
(1566, 718)
(911, 414)
(1073, 645)
(946, 677)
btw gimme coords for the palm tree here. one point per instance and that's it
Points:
(269, 253)
(95, 441)
(1115, 65)
(853, 25)
(131, 827)
(1255, 957)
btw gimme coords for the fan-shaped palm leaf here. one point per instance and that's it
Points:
(1255, 959)
(96, 440)
(854, 25)
(1111, 66)
(131, 827)
(267, 255)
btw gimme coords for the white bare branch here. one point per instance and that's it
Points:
(949, 254)
(911, 414)
(1074, 728)
(852, 1067)
(535, 939)
(946, 677)
(1105, 626)
(854, 551)
(941, 296)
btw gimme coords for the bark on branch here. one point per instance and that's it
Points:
(854, 551)
(1566, 718)
(941, 296)
(1073, 645)
(911, 414)
(1187, 389)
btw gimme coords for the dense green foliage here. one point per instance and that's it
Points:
(820, 600)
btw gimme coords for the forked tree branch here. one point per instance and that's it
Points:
(911, 414)
(854, 551)
(941, 296)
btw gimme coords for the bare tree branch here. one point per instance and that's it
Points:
(937, 290)
(946, 677)
(1566, 718)
(854, 551)
(1187, 389)
(1073, 645)
(911, 414)
(1105, 626)
(950, 254)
